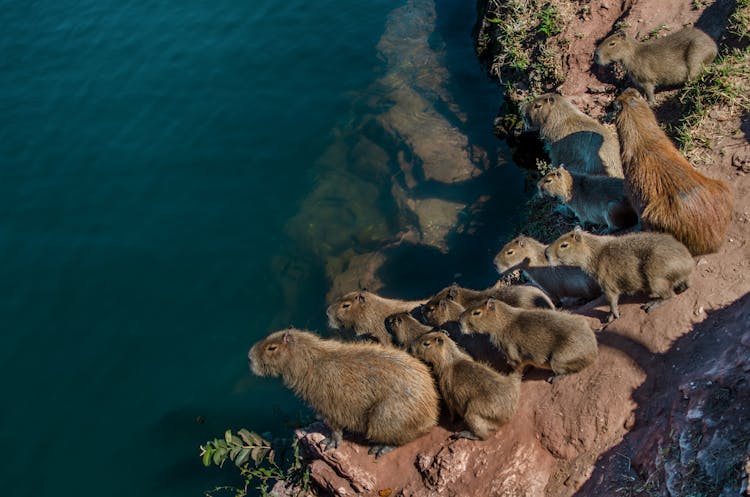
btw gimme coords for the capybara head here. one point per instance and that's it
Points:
(404, 327)
(271, 356)
(535, 113)
(433, 348)
(347, 310)
(556, 184)
(477, 318)
(518, 251)
(630, 99)
(437, 312)
(569, 250)
(612, 48)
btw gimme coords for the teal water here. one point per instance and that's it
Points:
(151, 155)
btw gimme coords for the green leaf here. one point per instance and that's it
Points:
(233, 453)
(495, 20)
(207, 454)
(228, 436)
(242, 457)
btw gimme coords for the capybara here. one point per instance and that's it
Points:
(654, 263)
(572, 138)
(365, 312)
(380, 392)
(556, 340)
(484, 398)
(669, 60)
(597, 200)
(667, 192)
(567, 285)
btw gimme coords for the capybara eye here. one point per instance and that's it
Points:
(272, 347)
(538, 105)
(564, 245)
(510, 252)
(426, 343)
(346, 305)
(612, 43)
(476, 313)
(548, 180)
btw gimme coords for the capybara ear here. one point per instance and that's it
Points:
(577, 233)
(551, 100)
(452, 293)
(287, 337)
(620, 34)
(361, 297)
(521, 243)
(561, 168)
(439, 340)
(443, 304)
(490, 303)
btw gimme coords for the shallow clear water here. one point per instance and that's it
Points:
(152, 157)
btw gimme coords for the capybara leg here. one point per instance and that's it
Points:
(555, 378)
(333, 441)
(614, 311)
(467, 434)
(648, 88)
(650, 306)
(380, 450)
(478, 426)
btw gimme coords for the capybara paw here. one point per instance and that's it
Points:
(380, 450)
(650, 306)
(554, 379)
(329, 443)
(464, 434)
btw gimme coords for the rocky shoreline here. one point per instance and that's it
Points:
(666, 408)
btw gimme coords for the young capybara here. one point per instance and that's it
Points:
(670, 60)
(380, 392)
(404, 328)
(441, 311)
(667, 192)
(567, 285)
(573, 138)
(548, 339)
(365, 312)
(484, 398)
(599, 200)
(654, 263)
(525, 296)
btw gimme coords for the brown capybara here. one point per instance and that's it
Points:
(654, 263)
(484, 398)
(567, 285)
(572, 138)
(380, 392)
(670, 60)
(526, 296)
(667, 192)
(365, 312)
(441, 311)
(598, 200)
(404, 328)
(562, 342)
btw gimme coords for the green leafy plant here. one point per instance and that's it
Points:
(549, 20)
(256, 459)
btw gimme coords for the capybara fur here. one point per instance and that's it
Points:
(572, 138)
(597, 200)
(654, 263)
(567, 285)
(668, 193)
(365, 312)
(669, 60)
(484, 398)
(404, 328)
(380, 392)
(438, 312)
(556, 340)
(526, 296)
